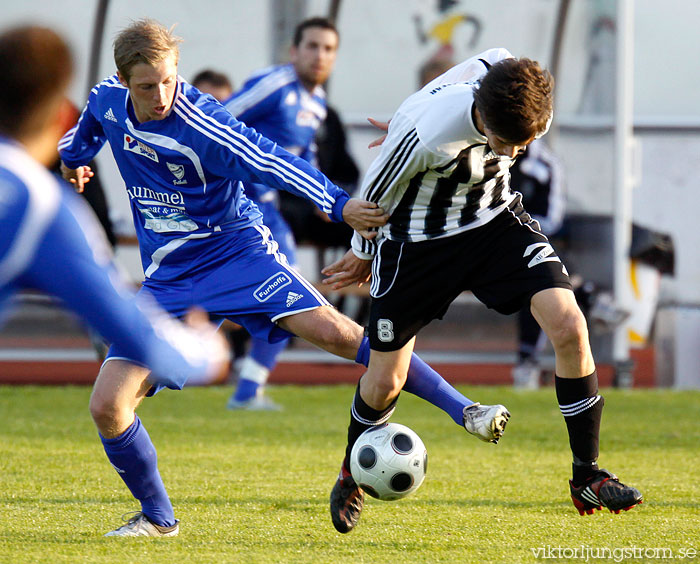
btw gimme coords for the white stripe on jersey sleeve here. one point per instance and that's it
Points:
(240, 145)
(42, 206)
(68, 136)
(261, 90)
(110, 82)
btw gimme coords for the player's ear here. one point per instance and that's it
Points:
(122, 80)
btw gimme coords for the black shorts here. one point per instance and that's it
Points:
(503, 263)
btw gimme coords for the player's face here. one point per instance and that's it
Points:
(314, 57)
(152, 88)
(506, 148)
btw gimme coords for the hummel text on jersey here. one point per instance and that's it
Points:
(271, 286)
(146, 195)
(109, 114)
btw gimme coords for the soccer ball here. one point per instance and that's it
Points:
(389, 461)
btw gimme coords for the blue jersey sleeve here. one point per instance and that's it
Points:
(81, 274)
(251, 104)
(232, 150)
(83, 141)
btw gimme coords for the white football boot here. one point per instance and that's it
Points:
(259, 402)
(141, 526)
(487, 422)
(526, 375)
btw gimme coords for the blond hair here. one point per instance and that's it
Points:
(144, 41)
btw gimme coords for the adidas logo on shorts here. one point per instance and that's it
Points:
(109, 114)
(293, 297)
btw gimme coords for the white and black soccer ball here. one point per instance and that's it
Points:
(389, 461)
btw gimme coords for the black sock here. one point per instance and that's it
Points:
(582, 408)
(528, 336)
(362, 417)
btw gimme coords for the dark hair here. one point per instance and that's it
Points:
(323, 23)
(213, 77)
(35, 66)
(515, 99)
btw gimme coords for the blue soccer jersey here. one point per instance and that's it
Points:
(183, 173)
(276, 104)
(50, 241)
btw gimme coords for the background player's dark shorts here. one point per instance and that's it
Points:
(504, 263)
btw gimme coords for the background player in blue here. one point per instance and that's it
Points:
(51, 241)
(182, 157)
(285, 103)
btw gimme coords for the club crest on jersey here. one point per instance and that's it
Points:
(271, 286)
(136, 146)
(178, 172)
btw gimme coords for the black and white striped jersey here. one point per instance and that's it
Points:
(436, 174)
(538, 175)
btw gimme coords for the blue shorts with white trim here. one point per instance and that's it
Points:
(280, 230)
(249, 283)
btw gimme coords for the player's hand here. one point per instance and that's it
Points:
(348, 270)
(78, 177)
(362, 216)
(384, 126)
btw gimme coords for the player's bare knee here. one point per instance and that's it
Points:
(390, 387)
(384, 387)
(570, 332)
(328, 329)
(103, 410)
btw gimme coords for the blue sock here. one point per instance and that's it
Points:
(427, 384)
(245, 389)
(256, 367)
(134, 457)
(265, 353)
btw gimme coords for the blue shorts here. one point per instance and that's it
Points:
(281, 232)
(241, 277)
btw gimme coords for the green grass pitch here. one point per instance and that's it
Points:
(253, 487)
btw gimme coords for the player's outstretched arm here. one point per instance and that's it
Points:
(78, 177)
(73, 263)
(362, 216)
(348, 270)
